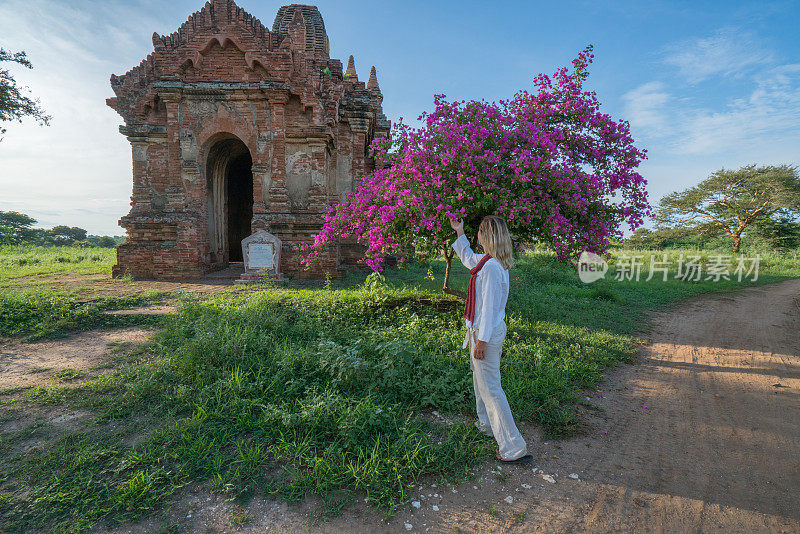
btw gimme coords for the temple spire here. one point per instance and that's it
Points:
(297, 30)
(351, 69)
(372, 84)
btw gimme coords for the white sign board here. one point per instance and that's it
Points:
(260, 256)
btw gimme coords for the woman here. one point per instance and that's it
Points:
(486, 329)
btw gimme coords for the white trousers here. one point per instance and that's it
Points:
(494, 413)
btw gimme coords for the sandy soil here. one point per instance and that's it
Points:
(102, 285)
(701, 434)
(78, 356)
(156, 309)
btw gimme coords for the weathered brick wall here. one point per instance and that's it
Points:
(224, 82)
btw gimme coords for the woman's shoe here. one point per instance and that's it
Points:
(525, 459)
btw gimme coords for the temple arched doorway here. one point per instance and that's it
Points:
(229, 173)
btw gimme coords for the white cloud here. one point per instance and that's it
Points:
(645, 107)
(729, 52)
(77, 171)
(762, 128)
(770, 112)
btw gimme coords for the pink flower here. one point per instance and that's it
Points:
(548, 161)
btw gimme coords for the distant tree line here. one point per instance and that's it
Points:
(757, 205)
(779, 234)
(17, 229)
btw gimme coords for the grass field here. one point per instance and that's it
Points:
(295, 392)
(30, 261)
(39, 299)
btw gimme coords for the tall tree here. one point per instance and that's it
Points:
(14, 104)
(65, 235)
(14, 227)
(549, 162)
(781, 231)
(732, 200)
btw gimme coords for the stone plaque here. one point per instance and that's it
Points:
(261, 252)
(261, 255)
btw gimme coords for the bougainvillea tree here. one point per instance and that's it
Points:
(548, 161)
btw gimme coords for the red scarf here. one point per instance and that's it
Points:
(469, 306)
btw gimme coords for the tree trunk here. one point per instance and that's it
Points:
(449, 260)
(737, 239)
(448, 256)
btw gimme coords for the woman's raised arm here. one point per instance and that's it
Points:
(464, 252)
(461, 246)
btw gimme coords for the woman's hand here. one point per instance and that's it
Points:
(480, 350)
(457, 225)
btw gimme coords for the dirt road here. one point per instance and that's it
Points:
(718, 446)
(701, 434)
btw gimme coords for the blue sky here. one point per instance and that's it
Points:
(705, 85)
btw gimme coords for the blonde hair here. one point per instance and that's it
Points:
(498, 240)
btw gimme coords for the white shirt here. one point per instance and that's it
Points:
(491, 289)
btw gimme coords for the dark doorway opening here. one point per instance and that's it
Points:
(239, 188)
(229, 175)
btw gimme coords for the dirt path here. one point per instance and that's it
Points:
(718, 446)
(702, 434)
(102, 285)
(79, 355)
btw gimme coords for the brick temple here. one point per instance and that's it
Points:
(234, 128)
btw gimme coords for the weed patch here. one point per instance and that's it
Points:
(19, 261)
(33, 315)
